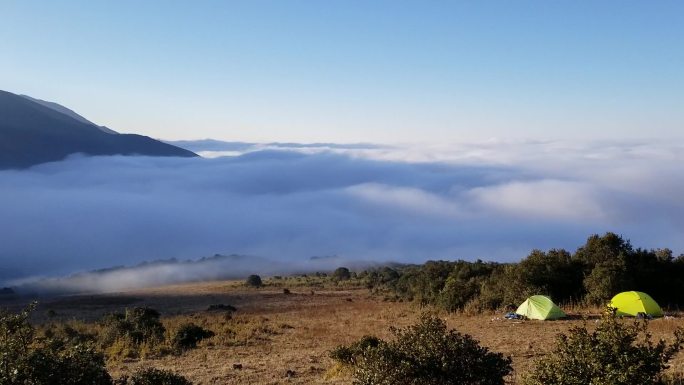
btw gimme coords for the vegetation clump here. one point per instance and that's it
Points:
(151, 376)
(189, 335)
(254, 281)
(222, 307)
(6, 291)
(26, 359)
(426, 354)
(341, 274)
(612, 354)
(350, 354)
(127, 334)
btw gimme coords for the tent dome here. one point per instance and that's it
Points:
(631, 303)
(540, 307)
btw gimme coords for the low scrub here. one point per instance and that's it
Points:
(424, 354)
(137, 332)
(349, 355)
(151, 376)
(614, 354)
(188, 335)
(26, 359)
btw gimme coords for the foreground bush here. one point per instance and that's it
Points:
(424, 354)
(28, 360)
(611, 355)
(151, 376)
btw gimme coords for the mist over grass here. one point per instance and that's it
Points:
(287, 202)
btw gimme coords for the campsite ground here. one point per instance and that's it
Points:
(285, 338)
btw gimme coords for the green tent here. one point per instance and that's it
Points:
(631, 303)
(540, 307)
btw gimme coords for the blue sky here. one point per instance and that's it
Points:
(354, 71)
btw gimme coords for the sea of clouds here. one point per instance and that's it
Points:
(285, 203)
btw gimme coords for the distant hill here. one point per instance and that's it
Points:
(34, 131)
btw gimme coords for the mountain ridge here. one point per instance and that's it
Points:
(67, 111)
(32, 133)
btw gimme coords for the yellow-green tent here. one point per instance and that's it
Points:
(631, 303)
(540, 307)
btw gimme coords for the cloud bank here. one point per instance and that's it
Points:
(287, 202)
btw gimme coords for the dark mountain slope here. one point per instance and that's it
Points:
(68, 112)
(31, 133)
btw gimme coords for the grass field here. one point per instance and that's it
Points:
(276, 338)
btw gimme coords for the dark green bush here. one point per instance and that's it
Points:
(254, 281)
(137, 332)
(188, 335)
(427, 354)
(76, 365)
(611, 355)
(349, 355)
(222, 307)
(140, 325)
(26, 359)
(341, 274)
(5, 291)
(151, 376)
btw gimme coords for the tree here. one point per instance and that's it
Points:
(341, 274)
(253, 281)
(605, 260)
(599, 249)
(553, 273)
(605, 280)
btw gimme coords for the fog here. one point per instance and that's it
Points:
(285, 203)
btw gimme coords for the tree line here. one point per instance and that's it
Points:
(602, 267)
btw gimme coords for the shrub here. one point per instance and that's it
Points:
(188, 335)
(349, 355)
(77, 365)
(341, 274)
(140, 324)
(253, 281)
(25, 359)
(222, 307)
(126, 334)
(64, 336)
(426, 354)
(6, 291)
(151, 376)
(610, 355)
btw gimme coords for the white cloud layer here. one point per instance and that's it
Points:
(287, 202)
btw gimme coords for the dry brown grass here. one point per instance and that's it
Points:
(273, 333)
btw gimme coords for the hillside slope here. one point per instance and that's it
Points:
(32, 133)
